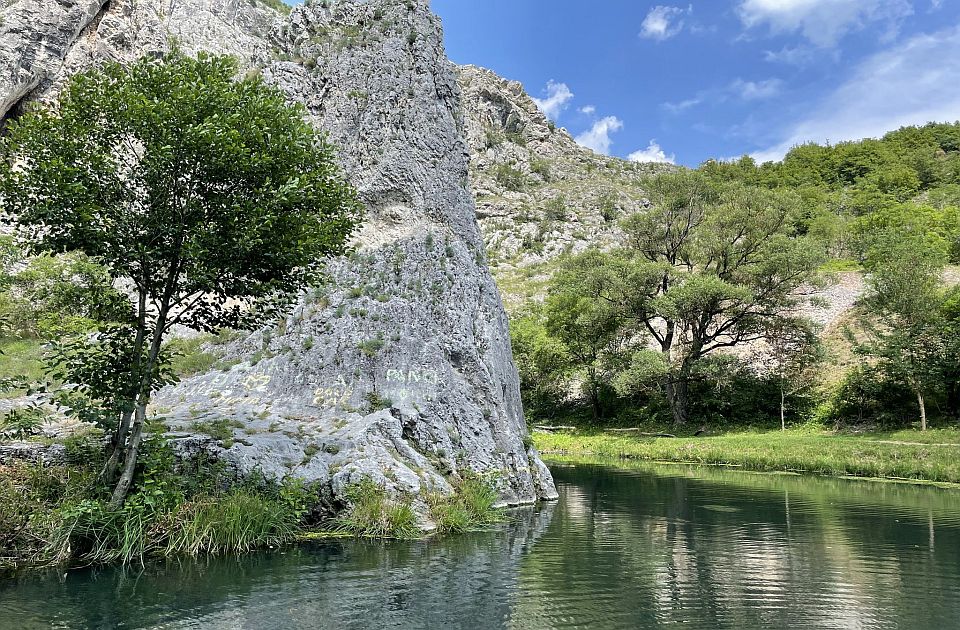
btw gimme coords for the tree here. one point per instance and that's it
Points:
(906, 299)
(208, 194)
(793, 350)
(542, 361)
(710, 268)
(589, 329)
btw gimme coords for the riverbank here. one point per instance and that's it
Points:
(933, 456)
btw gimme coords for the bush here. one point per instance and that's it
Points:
(510, 178)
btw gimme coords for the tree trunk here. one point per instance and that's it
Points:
(783, 409)
(120, 440)
(142, 398)
(923, 411)
(677, 395)
(130, 461)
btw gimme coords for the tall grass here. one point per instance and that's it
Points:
(471, 507)
(372, 514)
(235, 523)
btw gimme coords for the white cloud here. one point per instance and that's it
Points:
(685, 104)
(653, 153)
(589, 110)
(756, 90)
(663, 22)
(738, 89)
(913, 83)
(792, 55)
(598, 136)
(557, 97)
(822, 22)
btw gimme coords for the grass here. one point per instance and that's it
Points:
(470, 508)
(238, 522)
(372, 514)
(932, 456)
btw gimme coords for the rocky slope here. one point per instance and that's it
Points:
(399, 368)
(539, 193)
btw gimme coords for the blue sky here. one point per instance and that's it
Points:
(685, 82)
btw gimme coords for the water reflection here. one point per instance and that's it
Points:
(648, 547)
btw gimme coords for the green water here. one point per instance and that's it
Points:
(645, 547)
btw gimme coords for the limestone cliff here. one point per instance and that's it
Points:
(399, 367)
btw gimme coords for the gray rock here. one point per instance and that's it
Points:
(399, 367)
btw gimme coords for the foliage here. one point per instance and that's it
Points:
(207, 193)
(707, 268)
(22, 422)
(64, 515)
(906, 297)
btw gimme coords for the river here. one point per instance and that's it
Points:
(641, 546)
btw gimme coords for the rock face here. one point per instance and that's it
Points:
(539, 193)
(399, 367)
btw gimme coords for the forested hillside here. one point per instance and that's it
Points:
(702, 314)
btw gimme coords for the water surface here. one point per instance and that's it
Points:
(645, 547)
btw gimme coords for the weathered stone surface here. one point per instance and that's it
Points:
(399, 367)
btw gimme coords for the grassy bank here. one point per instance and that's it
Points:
(932, 456)
(60, 515)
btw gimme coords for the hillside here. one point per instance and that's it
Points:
(538, 193)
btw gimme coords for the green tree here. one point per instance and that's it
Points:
(207, 193)
(793, 351)
(905, 299)
(710, 268)
(589, 329)
(542, 362)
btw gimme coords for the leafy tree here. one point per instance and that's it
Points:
(905, 297)
(208, 194)
(589, 330)
(793, 351)
(709, 270)
(542, 361)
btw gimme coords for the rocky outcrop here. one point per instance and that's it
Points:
(539, 193)
(399, 367)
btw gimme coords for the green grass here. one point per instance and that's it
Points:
(470, 508)
(911, 455)
(372, 514)
(21, 359)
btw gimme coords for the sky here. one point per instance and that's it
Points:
(691, 81)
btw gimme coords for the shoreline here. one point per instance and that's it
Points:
(821, 455)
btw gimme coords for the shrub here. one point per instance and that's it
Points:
(556, 209)
(510, 178)
(23, 422)
(540, 167)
